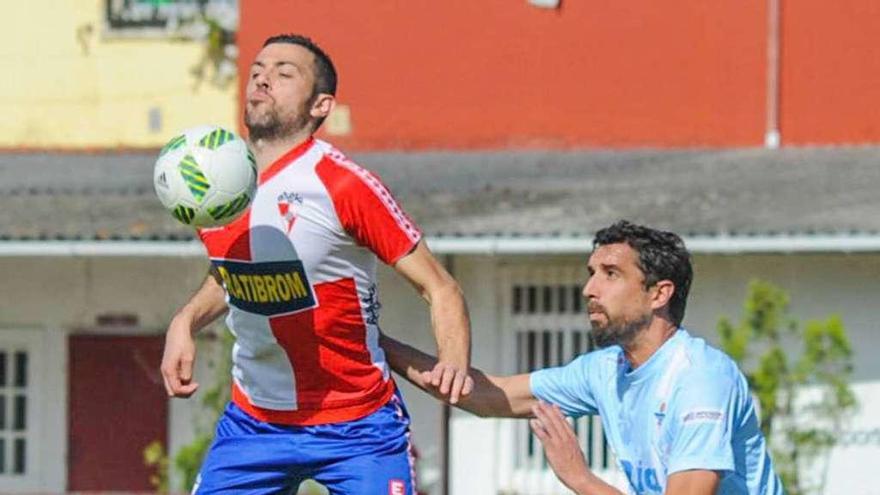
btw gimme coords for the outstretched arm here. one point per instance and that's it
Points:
(449, 318)
(204, 306)
(490, 396)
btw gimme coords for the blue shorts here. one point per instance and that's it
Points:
(367, 456)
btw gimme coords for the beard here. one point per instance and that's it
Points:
(622, 331)
(268, 125)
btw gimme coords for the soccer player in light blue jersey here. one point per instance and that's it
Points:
(676, 411)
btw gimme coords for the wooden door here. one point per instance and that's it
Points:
(117, 407)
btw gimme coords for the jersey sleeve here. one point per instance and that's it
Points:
(569, 386)
(703, 422)
(367, 210)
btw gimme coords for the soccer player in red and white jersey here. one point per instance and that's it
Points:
(312, 396)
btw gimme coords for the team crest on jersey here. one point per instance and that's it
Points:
(660, 414)
(268, 288)
(289, 204)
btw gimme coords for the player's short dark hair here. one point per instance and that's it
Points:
(662, 256)
(325, 71)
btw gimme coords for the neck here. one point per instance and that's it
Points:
(268, 151)
(647, 342)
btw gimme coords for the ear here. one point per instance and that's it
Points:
(322, 105)
(661, 294)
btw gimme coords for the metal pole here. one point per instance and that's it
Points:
(444, 447)
(772, 136)
(445, 440)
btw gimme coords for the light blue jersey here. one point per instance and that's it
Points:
(687, 407)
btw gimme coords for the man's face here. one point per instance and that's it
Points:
(619, 306)
(279, 91)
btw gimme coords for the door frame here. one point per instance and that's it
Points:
(46, 409)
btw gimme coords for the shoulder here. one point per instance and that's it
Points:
(707, 360)
(342, 175)
(709, 373)
(598, 363)
(609, 358)
(578, 385)
(334, 159)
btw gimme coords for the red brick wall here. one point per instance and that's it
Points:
(831, 72)
(501, 73)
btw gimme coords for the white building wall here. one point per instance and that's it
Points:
(54, 296)
(71, 292)
(818, 286)
(473, 440)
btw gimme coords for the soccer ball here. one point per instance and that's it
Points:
(206, 176)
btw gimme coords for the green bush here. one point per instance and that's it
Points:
(780, 357)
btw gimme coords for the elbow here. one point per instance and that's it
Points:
(447, 287)
(455, 289)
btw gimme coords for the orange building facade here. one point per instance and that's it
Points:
(505, 74)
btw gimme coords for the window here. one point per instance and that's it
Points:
(544, 324)
(14, 401)
(161, 17)
(542, 343)
(32, 419)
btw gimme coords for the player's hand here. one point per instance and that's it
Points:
(560, 445)
(453, 382)
(178, 359)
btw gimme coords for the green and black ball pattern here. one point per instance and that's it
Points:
(231, 208)
(197, 182)
(216, 139)
(184, 213)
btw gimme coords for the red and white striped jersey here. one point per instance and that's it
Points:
(299, 269)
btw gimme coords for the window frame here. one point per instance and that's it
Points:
(33, 342)
(540, 302)
(161, 24)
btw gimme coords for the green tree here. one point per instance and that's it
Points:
(782, 359)
(155, 457)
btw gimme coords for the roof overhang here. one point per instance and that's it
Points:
(717, 244)
(475, 245)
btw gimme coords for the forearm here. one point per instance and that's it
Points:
(408, 362)
(489, 398)
(208, 303)
(451, 325)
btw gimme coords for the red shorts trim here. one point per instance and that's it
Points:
(308, 417)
